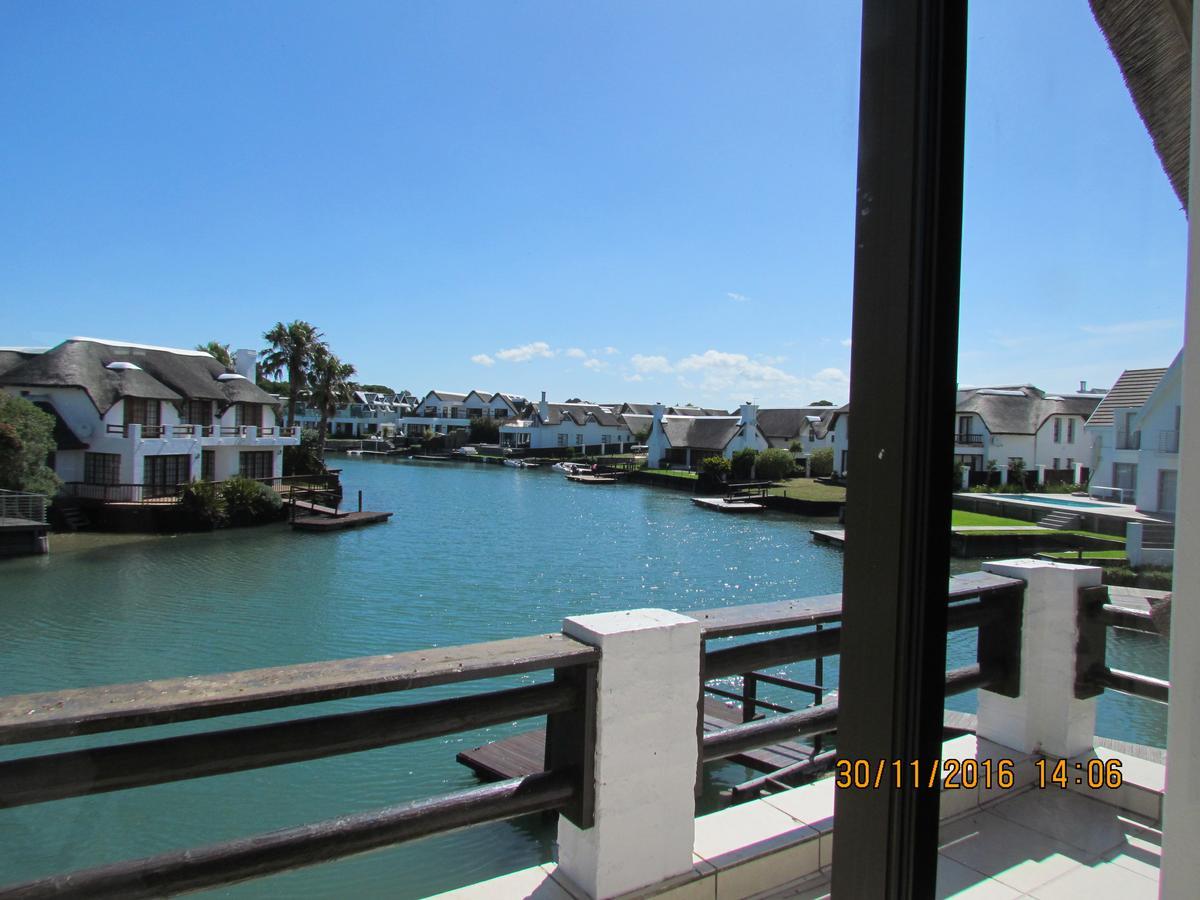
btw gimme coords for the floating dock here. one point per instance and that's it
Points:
(835, 536)
(728, 504)
(339, 522)
(592, 479)
(524, 754)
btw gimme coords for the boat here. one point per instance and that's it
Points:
(520, 464)
(570, 468)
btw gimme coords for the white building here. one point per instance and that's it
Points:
(585, 427)
(1136, 430)
(998, 427)
(148, 418)
(369, 413)
(688, 439)
(443, 411)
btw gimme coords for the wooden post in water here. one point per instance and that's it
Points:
(360, 501)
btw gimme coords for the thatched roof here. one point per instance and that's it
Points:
(1152, 42)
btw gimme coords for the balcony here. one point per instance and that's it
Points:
(1168, 442)
(966, 439)
(1129, 440)
(995, 824)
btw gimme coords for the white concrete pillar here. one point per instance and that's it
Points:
(1181, 806)
(1041, 474)
(1133, 543)
(1046, 717)
(646, 753)
(1003, 475)
(965, 476)
(1078, 473)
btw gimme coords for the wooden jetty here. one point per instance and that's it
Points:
(835, 536)
(339, 521)
(523, 754)
(728, 505)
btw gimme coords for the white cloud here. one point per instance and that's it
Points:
(634, 377)
(650, 363)
(611, 351)
(483, 359)
(595, 364)
(737, 298)
(576, 353)
(525, 352)
(734, 371)
(846, 342)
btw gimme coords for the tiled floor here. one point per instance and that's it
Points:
(1044, 845)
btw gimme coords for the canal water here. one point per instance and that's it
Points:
(474, 553)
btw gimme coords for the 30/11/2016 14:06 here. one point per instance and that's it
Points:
(1094, 773)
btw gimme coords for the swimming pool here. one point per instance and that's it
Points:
(1053, 500)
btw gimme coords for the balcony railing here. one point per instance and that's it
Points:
(185, 430)
(21, 505)
(170, 493)
(567, 785)
(968, 439)
(1129, 440)
(1168, 442)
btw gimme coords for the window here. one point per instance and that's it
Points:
(1070, 463)
(579, 439)
(139, 411)
(102, 468)
(604, 438)
(161, 474)
(1125, 477)
(208, 465)
(248, 414)
(256, 463)
(973, 460)
(562, 439)
(1058, 431)
(196, 412)
(1070, 431)
(964, 425)
(1056, 462)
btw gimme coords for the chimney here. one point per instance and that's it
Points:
(657, 411)
(543, 408)
(749, 413)
(1083, 387)
(244, 363)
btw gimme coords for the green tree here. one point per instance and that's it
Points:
(743, 463)
(329, 382)
(774, 464)
(484, 430)
(292, 347)
(26, 442)
(219, 352)
(821, 464)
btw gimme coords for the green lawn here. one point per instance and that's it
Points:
(962, 517)
(673, 473)
(809, 489)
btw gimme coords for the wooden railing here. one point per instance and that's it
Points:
(1093, 675)
(991, 603)
(170, 493)
(565, 786)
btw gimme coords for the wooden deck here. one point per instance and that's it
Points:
(339, 522)
(523, 754)
(724, 504)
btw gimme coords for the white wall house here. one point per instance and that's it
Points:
(686, 440)
(369, 413)
(1136, 431)
(995, 427)
(585, 427)
(148, 417)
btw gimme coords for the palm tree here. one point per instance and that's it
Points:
(329, 382)
(292, 347)
(219, 352)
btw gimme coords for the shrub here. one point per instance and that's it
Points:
(822, 462)
(305, 457)
(742, 464)
(484, 430)
(248, 502)
(772, 465)
(203, 504)
(26, 442)
(715, 467)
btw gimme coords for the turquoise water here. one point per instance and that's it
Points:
(1056, 501)
(473, 553)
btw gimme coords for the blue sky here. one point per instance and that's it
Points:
(627, 200)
